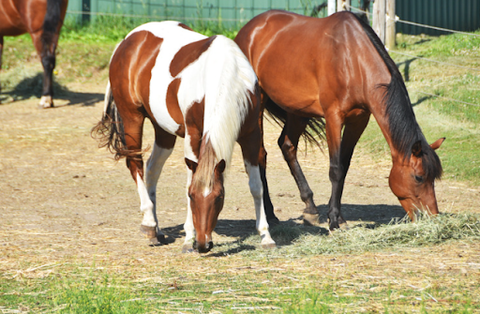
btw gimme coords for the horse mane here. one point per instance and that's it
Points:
(204, 176)
(229, 81)
(404, 129)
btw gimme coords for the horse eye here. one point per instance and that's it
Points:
(419, 179)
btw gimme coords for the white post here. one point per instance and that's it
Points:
(331, 7)
(390, 32)
(379, 16)
(343, 5)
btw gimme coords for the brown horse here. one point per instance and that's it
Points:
(43, 19)
(199, 88)
(337, 69)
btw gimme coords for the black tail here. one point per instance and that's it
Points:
(314, 133)
(51, 21)
(109, 131)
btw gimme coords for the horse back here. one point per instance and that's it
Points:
(308, 62)
(21, 16)
(148, 72)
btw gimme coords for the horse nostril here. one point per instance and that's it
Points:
(210, 245)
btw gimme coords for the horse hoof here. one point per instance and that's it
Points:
(269, 246)
(342, 227)
(311, 219)
(45, 102)
(151, 235)
(154, 242)
(188, 248)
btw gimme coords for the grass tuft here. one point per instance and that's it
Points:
(425, 231)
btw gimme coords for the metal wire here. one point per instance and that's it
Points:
(447, 98)
(431, 60)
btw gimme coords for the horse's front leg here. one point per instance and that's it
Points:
(162, 149)
(250, 148)
(191, 154)
(341, 151)
(46, 52)
(188, 226)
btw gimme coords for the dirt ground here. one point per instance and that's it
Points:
(61, 196)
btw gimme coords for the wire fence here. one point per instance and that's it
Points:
(397, 20)
(305, 10)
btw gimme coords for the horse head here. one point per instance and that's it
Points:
(206, 203)
(413, 183)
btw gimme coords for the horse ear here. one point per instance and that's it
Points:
(417, 149)
(437, 143)
(192, 165)
(220, 167)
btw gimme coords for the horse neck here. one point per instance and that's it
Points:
(393, 111)
(230, 80)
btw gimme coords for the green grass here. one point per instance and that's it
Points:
(264, 282)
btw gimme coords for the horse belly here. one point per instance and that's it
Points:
(294, 92)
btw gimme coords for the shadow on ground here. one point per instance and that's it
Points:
(32, 87)
(287, 232)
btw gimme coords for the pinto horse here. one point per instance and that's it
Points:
(336, 71)
(43, 19)
(189, 85)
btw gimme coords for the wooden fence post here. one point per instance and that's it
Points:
(331, 7)
(343, 5)
(390, 31)
(379, 12)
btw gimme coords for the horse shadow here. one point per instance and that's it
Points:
(32, 87)
(288, 232)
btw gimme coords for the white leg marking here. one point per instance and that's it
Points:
(154, 168)
(256, 188)
(45, 102)
(146, 205)
(188, 226)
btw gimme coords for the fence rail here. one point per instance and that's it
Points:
(238, 12)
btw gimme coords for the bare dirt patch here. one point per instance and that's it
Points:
(61, 195)
(65, 202)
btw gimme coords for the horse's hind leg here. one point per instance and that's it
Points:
(133, 127)
(46, 52)
(162, 149)
(288, 142)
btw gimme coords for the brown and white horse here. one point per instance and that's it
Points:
(199, 88)
(337, 69)
(43, 19)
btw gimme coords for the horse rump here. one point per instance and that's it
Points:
(109, 131)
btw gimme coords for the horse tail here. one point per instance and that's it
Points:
(51, 21)
(314, 133)
(109, 131)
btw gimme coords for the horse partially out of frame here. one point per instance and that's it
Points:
(329, 75)
(189, 85)
(42, 19)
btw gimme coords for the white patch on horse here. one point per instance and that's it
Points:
(146, 205)
(174, 38)
(256, 189)
(207, 191)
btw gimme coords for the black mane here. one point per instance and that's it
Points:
(404, 129)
